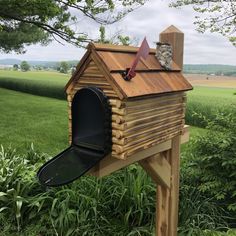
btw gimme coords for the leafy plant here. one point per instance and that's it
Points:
(212, 164)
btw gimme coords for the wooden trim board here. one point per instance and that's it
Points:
(158, 168)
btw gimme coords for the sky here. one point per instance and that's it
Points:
(148, 20)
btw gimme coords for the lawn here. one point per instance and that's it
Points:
(27, 119)
(46, 76)
(43, 83)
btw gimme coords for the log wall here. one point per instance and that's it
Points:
(142, 123)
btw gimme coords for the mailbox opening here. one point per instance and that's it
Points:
(91, 139)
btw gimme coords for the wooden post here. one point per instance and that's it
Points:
(168, 198)
(174, 159)
(162, 205)
(175, 37)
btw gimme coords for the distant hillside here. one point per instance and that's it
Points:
(210, 69)
(9, 61)
(48, 64)
(188, 68)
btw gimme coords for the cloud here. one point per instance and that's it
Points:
(149, 20)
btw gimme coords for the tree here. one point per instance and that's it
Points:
(30, 21)
(24, 66)
(64, 67)
(115, 39)
(215, 16)
(15, 67)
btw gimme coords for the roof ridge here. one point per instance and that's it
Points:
(117, 48)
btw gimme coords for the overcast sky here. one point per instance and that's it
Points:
(149, 20)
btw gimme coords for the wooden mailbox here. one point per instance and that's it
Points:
(147, 115)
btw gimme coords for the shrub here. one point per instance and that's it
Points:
(200, 112)
(122, 202)
(212, 164)
(49, 89)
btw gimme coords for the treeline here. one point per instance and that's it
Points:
(212, 69)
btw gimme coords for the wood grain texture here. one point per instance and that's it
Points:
(111, 164)
(117, 61)
(162, 211)
(175, 37)
(174, 190)
(158, 168)
(152, 83)
(151, 78)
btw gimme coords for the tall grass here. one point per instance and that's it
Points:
(204, 103)
(120, 204)
(36, 87)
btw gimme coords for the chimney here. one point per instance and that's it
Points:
(175, 38)
(164, 55)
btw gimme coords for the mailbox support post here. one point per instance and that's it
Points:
(167, 187)
(162, 163)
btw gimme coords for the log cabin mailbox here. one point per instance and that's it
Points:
(127, 105)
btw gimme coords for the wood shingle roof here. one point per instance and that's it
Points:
(150, 77)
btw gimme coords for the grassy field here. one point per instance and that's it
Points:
(43, 83)
(27, 119)
(47, 76)
(204, 102)
(212, 80)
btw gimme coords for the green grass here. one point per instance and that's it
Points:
(26, 119)
(43, 83)
(222, 95)
(203, 102)
(47, 76)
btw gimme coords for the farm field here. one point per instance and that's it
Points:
(212, 80)
(47, 76)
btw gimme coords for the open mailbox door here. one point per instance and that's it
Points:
(91, 139)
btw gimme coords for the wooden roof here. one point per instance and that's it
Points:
(150, 77)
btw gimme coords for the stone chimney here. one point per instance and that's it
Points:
(164, 55)
(175, 38)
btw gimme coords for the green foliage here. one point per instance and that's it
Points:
(49, 89)
(15, 67)
(217, 16)
(212, 164)
(122, 202)
(198, 212)
(64, 67)
(40, 21)
(48, 84)
(116, 39)
(203, 104)
(24, 66)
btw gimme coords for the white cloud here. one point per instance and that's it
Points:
(149, 21)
